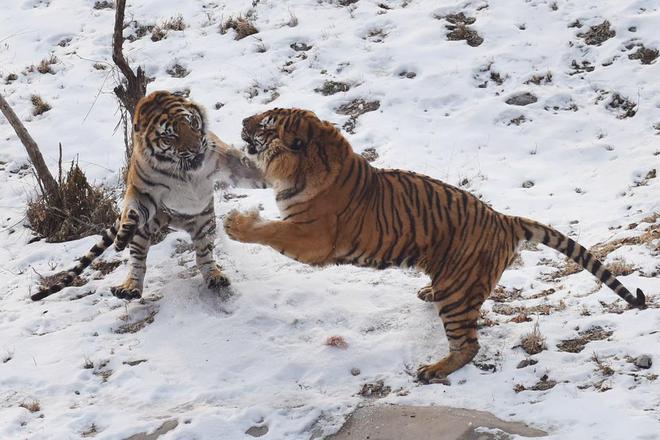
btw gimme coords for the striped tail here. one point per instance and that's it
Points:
(107, 238)
(534, 231)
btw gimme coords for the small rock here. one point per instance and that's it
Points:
(300, 46)
(257, 431)
(526, 363)
(355, 371)
(527, 184)
(644, 361)
(525, 98)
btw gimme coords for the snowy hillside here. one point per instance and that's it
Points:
(444, 93)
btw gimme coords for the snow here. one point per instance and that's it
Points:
(221, 365)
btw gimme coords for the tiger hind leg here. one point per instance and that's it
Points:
(459, 313)
(131, 288)
(202, 232)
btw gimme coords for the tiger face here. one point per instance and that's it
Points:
(172, 129)
(292, 147)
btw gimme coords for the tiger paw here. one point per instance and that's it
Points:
(425, 293)
(239, 226)
(428, 374)
(128, 291)
(215, 279)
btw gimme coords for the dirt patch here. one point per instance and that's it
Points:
(402, 422)
(540, 309)
(521, 99)
(375, 390)
(597, 35)
(178, 71)
(370, 154)
(355, 109)
(623, 106)
(576, 345)
(645, 55)
(134, 324)
(332, 87)
(460, 30)
(583, 67)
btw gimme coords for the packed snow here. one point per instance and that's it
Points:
(579, 157)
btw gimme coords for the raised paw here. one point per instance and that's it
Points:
(425, 293)
(216, 279)
(239, 226)
(127, 291)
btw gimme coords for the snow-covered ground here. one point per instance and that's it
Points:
(220, 366)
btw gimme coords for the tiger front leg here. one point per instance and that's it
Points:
(202, 233)
(132, 287)
(140, 212)
(310, 242)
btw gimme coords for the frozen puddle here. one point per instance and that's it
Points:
(400, 422)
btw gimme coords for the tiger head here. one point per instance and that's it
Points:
(170, 130)
(293, 148)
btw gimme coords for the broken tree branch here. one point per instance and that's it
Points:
(135, 87)
(44, 176)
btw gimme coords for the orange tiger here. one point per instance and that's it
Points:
(336, 208)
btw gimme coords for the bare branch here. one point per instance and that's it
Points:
(136, 84)
(44, 176)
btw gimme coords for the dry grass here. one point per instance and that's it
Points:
(354, 109)
(644, 55)
(332, 87)
(596, 35)
(337, 341)
(33, 406)
(39, 106)
(44, 65)
(46, 282)
(104, 4)
(84, 209)
(160, 31)
(370, 154)
(576, 345)
(619, 267)
(626, 108)
(538, 79)
(601, 366)
(376, 390)
(178, 71)
(243, 27)
(533, 342)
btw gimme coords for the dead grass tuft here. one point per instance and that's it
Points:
(135, 325)
(539, 79)
(178, 71)
(243, 27)
(84, 209)
(601, 366)
(105, 267)
(45, 65)
(337, 342)
(375, 390)
(33, 406)
(370, 154)
(104, 4)
(534, 342)
(332, 87)
(355, 109)
(626, 108)
(645, 55)
(39, 106)
(620, 267)
(576, 345)
(597, 35)
(460, 30)
(46, 282)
